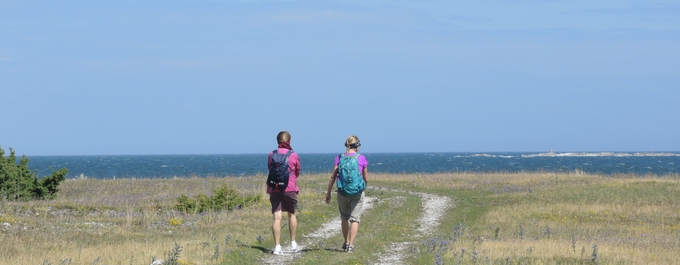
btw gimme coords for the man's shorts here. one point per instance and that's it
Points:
(351, 208)
(283, 201)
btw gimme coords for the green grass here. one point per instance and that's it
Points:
(496, 218)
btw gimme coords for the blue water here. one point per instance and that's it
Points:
(164, 166)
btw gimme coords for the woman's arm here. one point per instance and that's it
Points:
(298, 165)
(364, 173)
(330, 184)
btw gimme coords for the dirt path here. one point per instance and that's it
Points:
(326, 230)
(434, 207)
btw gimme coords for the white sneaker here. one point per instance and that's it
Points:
(278, 250)
(294, 247)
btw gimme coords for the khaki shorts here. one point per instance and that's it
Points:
(351, 208)
(286, 201)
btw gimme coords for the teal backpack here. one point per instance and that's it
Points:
(350, 180)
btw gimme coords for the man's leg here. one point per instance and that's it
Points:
(276, 228)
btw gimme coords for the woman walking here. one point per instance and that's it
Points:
(284, 198)
(350, 170)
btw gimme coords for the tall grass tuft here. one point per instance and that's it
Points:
(174, 255)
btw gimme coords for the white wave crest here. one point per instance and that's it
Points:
(591, 154)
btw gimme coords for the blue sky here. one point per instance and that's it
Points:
(224, 77)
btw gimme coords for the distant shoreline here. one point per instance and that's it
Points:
(164, 166)
(590, 154)
(494, 153)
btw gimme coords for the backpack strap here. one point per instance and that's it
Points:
(290, 151)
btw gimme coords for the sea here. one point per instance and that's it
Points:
(661, 164)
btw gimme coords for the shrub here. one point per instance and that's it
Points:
(176, 221)
(18, 182)
(223, 198)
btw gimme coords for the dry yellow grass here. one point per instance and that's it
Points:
(535, 218)
(122, 221)
(560, 218)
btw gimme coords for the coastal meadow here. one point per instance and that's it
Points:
(494, 218)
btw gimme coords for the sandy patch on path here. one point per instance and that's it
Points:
(434, 207)
(395, 253)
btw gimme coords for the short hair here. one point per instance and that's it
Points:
(283, 136)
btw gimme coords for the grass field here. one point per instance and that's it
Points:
(494, 218)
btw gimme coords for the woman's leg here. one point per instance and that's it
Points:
(345, 230)
(276, 228)
(353, 230)
(292, 225)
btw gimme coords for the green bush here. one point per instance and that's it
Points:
(18, 182)
(223, 198)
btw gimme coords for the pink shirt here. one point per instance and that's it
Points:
(293, 168)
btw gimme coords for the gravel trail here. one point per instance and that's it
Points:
(326, 230)
(434, 207)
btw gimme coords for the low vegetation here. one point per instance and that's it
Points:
(495, 218)
(222, 198)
